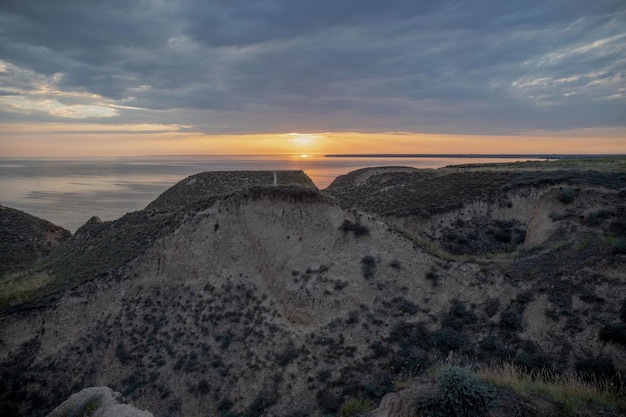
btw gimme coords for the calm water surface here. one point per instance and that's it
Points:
(68, 192)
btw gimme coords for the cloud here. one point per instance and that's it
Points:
(237, 66)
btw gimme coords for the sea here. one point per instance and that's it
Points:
(69, 191)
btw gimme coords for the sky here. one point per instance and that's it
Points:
(149, 77)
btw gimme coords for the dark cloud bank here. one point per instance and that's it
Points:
(293, 65)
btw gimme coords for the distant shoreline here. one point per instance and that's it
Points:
(474, 155)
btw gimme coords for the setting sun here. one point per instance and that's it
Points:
(301, 139)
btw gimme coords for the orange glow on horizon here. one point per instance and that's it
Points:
(84, 140)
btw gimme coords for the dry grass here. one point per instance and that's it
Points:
(355, 407)
(571, 392)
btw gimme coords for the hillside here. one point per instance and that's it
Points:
(282, 300)
(25, 238)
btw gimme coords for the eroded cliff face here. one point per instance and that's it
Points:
(97, 402)
(278, 301)
(489, 209)
(540, 212)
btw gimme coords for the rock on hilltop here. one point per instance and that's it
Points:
(284, 300)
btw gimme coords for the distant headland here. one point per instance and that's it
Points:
(472, 155)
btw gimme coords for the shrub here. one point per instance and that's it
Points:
(357, 228)
(403, 305)
(597, 217)
(328, 401)
(323, 375)
(458, 317)
(511, 319)
(122, 354)
(594, 368)
(395, 264)
(447, 339)
(203, 387)
(461, 394)
(260, 404)
(368, 266)
(615, 333)
(492, 348)
(567, 195)
(433, 276)
(287, 355)
(619, 246)
(408, 335)
(529, 360)
(503, 235)
(491, 307)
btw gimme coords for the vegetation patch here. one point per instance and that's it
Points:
(357, 228)
(368, 266)
(567, 195)
(461, 394)
(615, 333)
(572, 392)
(355, 407)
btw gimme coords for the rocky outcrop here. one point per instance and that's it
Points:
(97, 402)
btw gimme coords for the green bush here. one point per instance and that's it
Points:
(619, 246)
(511, 319)
(600, 367)
(596, 218)
(447, 339)
(567, 195)
(503, 235)
(459, 317)
(368, 266)
(357, 228)
(615, 333)
(461, 394)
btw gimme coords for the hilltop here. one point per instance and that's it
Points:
(238, 295)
